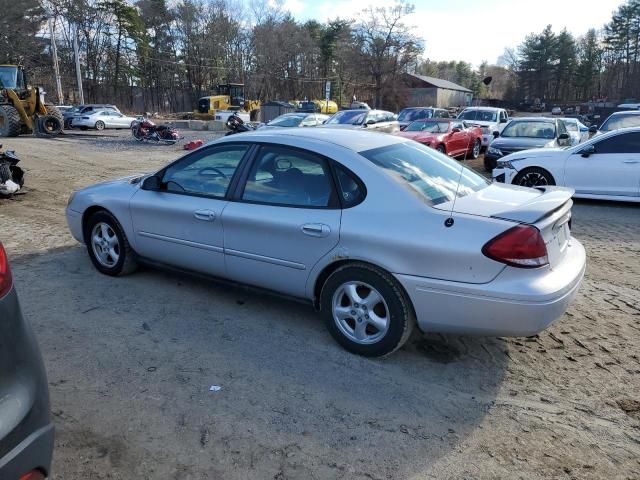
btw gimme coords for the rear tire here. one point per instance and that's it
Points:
(100, 125)
(534, 177)
(441, 149)
(54, 112)
(107, 245)
(366, 311)
(10, 122)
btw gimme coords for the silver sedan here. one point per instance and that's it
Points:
(379, 233)
(102, 119)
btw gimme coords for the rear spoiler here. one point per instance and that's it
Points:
(551, 200)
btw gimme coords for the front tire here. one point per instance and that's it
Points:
(475, 151)
(108, 246)
(534, 177)
(99, 125)
(366, 311)
(441, 149)
(10, 122)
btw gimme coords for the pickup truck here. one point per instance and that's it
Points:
(489, 119)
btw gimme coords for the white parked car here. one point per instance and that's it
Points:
(102, 119)
(606, 167)
(624, 119)
(556, 111)
(489, 119)
(578, 131)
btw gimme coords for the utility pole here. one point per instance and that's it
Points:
(78, 71)
(56, 67)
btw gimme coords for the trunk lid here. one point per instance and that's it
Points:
(546, 208)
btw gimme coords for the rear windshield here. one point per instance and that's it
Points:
(432, 175)
(530, 129)
(615, 122)
(479, 115)
(411, 114)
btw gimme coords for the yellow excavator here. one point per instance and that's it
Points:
(22, 107)
(228, 97)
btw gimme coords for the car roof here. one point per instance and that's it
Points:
(422, 108)
(492, 109)
(535, 119)
(356, 140)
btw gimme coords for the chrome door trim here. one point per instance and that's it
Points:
(265, 259)
(179, 241)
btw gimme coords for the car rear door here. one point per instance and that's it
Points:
(284, 218)
(614, 168)
(181, 224)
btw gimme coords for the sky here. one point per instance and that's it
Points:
(473, 30)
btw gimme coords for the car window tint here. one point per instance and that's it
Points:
(284, 176)
(208, 172)
(351, 189)
(625, 143)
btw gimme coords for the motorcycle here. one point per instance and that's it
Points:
(236, 125)
(11, 176)
(145, 129)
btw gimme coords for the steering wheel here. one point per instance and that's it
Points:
(216, 171)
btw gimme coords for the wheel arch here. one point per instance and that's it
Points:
(531, 167)
(325, 273)
(88, 213)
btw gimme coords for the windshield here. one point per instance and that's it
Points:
(411, 114)
(429, 127)
(620, 121)
(530, 129)
(432, 175)
(479, 115)
(286, 121)
(9, 77)
(349, 117)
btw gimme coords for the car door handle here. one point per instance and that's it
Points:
(205, 215)
(631, 161)
(316, 230)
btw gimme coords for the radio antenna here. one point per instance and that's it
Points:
(450, 221)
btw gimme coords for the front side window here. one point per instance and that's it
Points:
(433, 176)
(207, 173)
(288, 177)
(616, 122)
(625, 143)
(530, 129)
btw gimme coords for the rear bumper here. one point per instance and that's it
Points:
(34, 452)
(517, 302)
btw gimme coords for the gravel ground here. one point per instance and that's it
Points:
(131, 361)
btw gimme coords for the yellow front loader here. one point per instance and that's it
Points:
(22, 107)
(229, 97)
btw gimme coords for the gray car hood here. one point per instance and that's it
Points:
(520, 143)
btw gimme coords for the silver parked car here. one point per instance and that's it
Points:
(376, 120)
(102, 119)
(359, 223)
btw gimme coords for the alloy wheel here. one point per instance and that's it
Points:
(533, 179)
(360, 312)
(105, 244)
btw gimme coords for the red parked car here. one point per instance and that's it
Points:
(449, 136)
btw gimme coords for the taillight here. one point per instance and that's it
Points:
(33, 475)
(521, 246)
(5, 273)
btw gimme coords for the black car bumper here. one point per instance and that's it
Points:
(26, 430)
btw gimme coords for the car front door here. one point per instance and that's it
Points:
(181, 223)
(612, 169)
(457, 140)
(284, 219)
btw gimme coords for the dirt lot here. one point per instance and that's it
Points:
(131, 361)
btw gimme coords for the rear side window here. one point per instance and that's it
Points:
(626, 143)
(615, 122)
(352, 190)
(289, 177)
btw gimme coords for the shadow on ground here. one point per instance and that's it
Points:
(131, 361)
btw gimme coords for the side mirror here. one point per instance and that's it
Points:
(593, 129)
(152, 183)
(455, 130)
(503, 120)
(588, 151)
(563, 136)
(496, 134)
